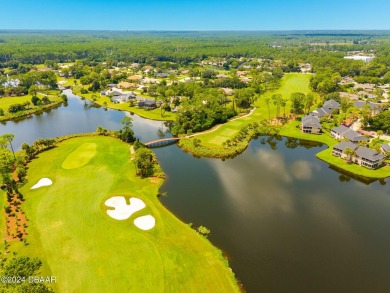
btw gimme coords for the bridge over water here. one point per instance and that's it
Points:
(162, 142)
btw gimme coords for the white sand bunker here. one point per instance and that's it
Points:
(122, 210)
(42, 182)
(145, 222)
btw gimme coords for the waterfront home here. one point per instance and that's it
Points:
(362, 156)
(344, 132)
(147, 103)
(339, 150)
(369, 158)
(311, 124)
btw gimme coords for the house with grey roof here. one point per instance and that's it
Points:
(374, 107)
(147, 103)
(363, 156)
(311, 124)
(331, 105)
(385, 148)
(344, 132)
(339, 150)
(368, 158)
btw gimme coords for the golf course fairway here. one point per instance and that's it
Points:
(88, 251)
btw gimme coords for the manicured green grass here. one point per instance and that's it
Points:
(149, 114)
(90, 252)
(291, 83)
(5, 102)
(292, 130)
(80, 157)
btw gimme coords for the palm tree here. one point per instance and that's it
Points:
(283, 103)
(269, 113)
(379, 133)
(350, 153)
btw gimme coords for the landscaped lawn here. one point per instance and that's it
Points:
(5, 102)
(291, 83)
(88, 251)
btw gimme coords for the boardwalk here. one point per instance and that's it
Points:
(161, 142)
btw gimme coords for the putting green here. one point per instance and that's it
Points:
(80, 157)
(87, 251)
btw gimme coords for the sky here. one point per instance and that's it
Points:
(195, 15)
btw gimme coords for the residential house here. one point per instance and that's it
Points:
(385, 148)
(228, 91)
(331, 105)
(363, 156)
(311, 124)
(162, 75)
(321, 112)
(368, 158)
(147, 103)
(339, 150)
(134, 78)
(125, 85)
(343, 132)
(374, 107)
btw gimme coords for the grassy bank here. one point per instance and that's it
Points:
(106, 102)
(6, 102)
(292, 130)
(88, 251)
(212, 142)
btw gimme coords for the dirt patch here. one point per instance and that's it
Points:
(15, 219)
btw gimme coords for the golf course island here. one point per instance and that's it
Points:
(101, 228)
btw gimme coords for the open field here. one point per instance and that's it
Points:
(88, 251)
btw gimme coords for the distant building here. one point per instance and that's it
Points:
(360, 58)
(311, 124)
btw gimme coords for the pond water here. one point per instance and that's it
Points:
(286, 221)
(77, 117)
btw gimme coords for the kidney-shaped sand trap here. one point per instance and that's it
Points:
(122, 210)
(145, 222)
(42, 182)
(80, 157)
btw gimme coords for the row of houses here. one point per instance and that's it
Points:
(311, 122)
(119, 97)
(360, 155)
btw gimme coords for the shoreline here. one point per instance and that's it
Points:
(28, 113)
(152, 183)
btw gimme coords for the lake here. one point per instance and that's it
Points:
(286, 221)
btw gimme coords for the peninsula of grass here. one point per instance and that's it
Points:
(105, 101)
(292, 130)
(6, 102)
(88, 251)
(211, 142)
